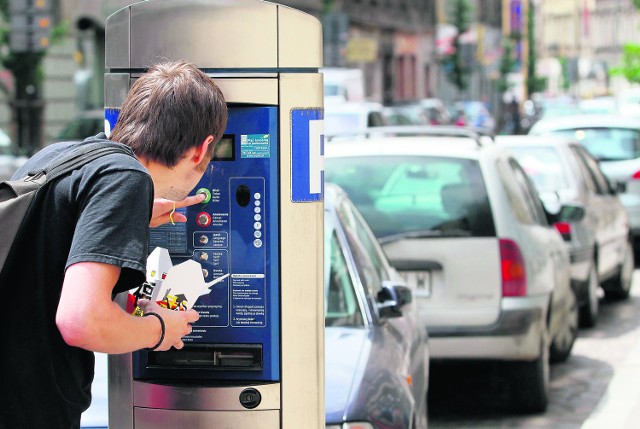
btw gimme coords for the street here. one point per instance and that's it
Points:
(598, 387)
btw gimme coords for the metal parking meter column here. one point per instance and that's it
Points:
(263, 224)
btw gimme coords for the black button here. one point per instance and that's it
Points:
(250, 398)
(243, 195)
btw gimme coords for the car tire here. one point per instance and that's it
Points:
(530, 384)
(563, 341)
(619, 287)
(589, 308)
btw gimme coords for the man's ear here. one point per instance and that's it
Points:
(200, 151)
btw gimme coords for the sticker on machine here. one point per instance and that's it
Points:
(307, 155)
(255, 146)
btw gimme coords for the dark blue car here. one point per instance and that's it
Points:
(376, 356)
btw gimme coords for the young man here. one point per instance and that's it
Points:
(88, 241)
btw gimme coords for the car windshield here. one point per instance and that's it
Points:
(543, 165)
(426, 196)
(607, 144)
(5, 144)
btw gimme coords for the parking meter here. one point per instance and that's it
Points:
(255, 356)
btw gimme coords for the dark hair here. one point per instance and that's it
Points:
(170, 109)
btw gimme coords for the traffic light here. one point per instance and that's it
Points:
(30, 25)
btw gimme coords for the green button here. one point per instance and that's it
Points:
(207, 194)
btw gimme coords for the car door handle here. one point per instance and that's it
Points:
(413, 265)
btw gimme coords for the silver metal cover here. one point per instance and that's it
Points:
(213, 34)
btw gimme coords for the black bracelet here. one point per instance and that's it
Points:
(151, 313)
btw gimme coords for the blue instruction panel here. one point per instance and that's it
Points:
(234, 233)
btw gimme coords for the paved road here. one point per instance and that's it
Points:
(598, 387)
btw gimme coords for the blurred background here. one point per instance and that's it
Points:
(494, 64)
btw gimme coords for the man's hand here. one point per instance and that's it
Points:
(163, 207)
(177, 323)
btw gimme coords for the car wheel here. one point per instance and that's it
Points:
(562, 342)
(530, 383)
(619, 287)
(589, 309)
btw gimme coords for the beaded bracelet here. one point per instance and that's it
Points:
(151, 313)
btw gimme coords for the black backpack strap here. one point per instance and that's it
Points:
(82, 155)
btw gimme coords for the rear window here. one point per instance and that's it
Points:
(543, 165)
(429, 196)
(607, 144)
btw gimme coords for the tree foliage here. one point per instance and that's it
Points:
(454, 64)
(534, 82)
(630, 66)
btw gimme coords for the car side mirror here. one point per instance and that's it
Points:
(392, 298)
(617, 187)
(571, 213)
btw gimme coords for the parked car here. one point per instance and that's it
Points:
(474, 114)
(376, 353)
(9, 161)
(343, 84)
(341, 117)
(460, 219)
(563, 172)
(614, 141)
(401, 115)
(598, 106)
(428, 111)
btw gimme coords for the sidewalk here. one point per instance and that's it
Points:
(619, 408)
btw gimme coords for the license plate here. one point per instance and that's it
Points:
(420, 281)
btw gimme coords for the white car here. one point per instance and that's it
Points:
(346, 117)
(614, 141)
(460, 219)
(598, 241)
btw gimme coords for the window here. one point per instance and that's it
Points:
(341, 303)
(607, 144)
(591, 165)
(530, 194)
(543, 165)
(584, 170)
(430, 195)
(521, 210)
(352, 220)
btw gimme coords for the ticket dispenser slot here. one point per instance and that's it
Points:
(234, 231)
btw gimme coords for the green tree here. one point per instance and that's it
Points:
(534, 82)
(457, 70)
(506, 66)
(630, 66)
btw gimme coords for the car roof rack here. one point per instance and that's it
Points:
(480, 136)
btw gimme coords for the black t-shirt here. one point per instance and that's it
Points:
(99, 213)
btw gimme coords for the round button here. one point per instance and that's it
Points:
(257, 225)
(257, 196)
(257, 242)
(203, 219)
(205, 273)
(207, 194)
(204, 256)
(257, 234)
(203, 239)
(257, 203)
(257, 217)
(257, 209)
(250, 398)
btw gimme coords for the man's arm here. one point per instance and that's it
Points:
(88, 318)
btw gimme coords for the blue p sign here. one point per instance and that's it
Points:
(307, 155)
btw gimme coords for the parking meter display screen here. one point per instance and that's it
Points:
(224, 150)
